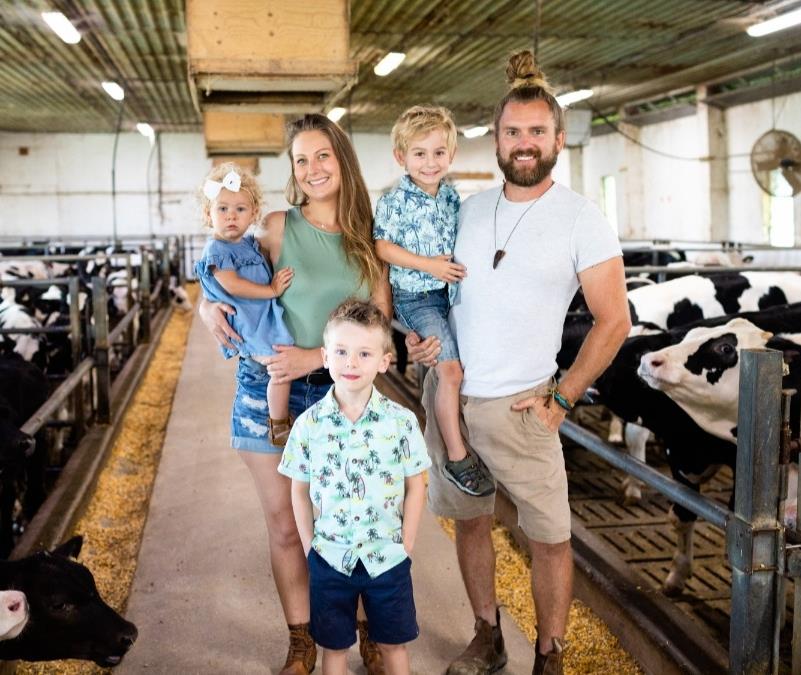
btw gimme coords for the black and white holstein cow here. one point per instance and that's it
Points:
(676, 303)
(693, 454)
(702, 375)
(68, 618)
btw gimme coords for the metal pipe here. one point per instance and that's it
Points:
(62, 392)
(116, 334)
(708, 509)
(754, 538)
(144, 295)
(102, 371)
(655, 269)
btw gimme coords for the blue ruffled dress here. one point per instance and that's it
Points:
(260, 322)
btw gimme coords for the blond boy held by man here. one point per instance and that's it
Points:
(415, 230)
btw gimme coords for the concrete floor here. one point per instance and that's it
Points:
(203, 597)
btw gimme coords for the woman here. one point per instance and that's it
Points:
(327, 240)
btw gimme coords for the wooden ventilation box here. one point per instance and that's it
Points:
(267, 55)
(243, 133)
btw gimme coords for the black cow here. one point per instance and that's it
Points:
(68, 618)
(23, 389)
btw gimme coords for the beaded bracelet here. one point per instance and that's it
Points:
(561, 399)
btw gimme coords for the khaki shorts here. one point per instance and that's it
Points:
(519, 451)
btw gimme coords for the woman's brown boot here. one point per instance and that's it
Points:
(279, 431)
(302, 655)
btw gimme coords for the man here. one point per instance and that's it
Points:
(526, 246)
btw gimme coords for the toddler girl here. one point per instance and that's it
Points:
(233, 270)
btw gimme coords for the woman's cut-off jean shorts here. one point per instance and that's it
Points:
(249, 416)
(426, 313)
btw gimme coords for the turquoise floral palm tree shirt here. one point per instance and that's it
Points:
(411, 218)
(356, 473)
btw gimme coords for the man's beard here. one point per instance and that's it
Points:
(528, 176)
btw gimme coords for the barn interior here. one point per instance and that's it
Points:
(680, 95)
(683, 122)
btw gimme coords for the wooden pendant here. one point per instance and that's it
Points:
(498, 257)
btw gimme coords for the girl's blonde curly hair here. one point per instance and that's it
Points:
(248, 184)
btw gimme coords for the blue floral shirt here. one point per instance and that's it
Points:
(425, 225)
(356, 473)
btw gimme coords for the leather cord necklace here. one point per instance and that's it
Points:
(501, 252)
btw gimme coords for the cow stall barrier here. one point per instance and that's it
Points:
(755, 538)
(94, 415)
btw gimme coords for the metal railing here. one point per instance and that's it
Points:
(755, 541)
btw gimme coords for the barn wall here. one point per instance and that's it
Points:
(63, 185)
(660, 197)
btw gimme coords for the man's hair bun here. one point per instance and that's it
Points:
(522, 71)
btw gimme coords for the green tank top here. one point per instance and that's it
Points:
(323, 278)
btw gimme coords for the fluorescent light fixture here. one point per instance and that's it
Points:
(475, 132)
(147, 131)
(386, 65)
(572, 97)
(62, 27)
(776, 23)
(114, 90)
(336, 114)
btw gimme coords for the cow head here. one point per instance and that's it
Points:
(69, 619)
(702, 372)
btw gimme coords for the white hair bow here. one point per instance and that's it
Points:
(231, 181)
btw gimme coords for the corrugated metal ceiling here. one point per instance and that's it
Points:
(627, 50)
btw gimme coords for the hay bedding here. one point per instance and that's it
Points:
(114, 521)
(591, 647)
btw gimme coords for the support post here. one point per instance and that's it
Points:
(144, 296)
(102, 371)
(73, 290)
(754, 537)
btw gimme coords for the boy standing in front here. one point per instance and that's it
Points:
(356, 460)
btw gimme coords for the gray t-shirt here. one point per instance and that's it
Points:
(508, 321)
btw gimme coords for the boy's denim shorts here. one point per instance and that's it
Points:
(426, 313)
(388, 602)
(249, 415)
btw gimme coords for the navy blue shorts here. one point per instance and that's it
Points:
(426, 313)
(388, 602)
(249, 426)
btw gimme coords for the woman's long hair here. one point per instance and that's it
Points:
(354, 212)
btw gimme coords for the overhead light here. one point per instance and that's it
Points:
(147, 131)
(114, 90)
(62, 27)
(475, 132)
(776, 23)
(386, 65)
(336, 114)
(572, 97)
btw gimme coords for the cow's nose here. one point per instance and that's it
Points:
(655, 362)
(129, 637)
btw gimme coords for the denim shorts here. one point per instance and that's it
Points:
(426, 313)
(249, 415)
(388, 602)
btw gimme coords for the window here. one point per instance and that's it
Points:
(777, 211)
(609, 199)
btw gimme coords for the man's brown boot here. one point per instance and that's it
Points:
(485, 654)
(550, 663)
(302, 655)
(371, 654)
